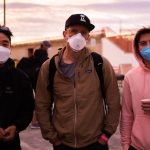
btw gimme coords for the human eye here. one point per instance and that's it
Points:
(143, 43)
(84, 33)
(6, 44)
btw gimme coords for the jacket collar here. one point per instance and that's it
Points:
(84, 54)
(8, 64)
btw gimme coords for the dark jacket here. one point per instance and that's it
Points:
(32, 65)
(16, 101)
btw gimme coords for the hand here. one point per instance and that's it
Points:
(2, 134)
(146, 107)
(103, 139)
(57, 143)
(10, 133)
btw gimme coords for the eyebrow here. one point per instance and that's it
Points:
(144, 41)
(5, 41)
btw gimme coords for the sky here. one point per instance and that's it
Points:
(41, 19)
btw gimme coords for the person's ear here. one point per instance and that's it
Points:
(88, 37)
(65, 35)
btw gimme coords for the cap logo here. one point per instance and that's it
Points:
(82, 18)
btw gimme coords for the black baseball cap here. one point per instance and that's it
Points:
(79, 19)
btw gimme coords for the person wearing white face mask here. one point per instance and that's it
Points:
(71, 113)
(16, 97)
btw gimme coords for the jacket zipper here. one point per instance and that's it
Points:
(75, 115)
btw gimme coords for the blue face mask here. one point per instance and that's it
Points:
(145, 53)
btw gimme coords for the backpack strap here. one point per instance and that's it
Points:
(98, 64)
(51, 74)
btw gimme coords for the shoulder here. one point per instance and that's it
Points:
(133, 71)
(45, 68)
(97, 55)
(98, 58)
(105, 60)
(107, 66)
(20, 75)
(24, 62)
(46, 64)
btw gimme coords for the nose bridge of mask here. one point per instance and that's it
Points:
(79, 36)
(4, 54)
(145, 48)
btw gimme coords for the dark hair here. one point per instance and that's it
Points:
(138, 35)
(6, 31)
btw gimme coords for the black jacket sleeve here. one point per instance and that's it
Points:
(26, 101)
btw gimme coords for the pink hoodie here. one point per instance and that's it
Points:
(135, 125)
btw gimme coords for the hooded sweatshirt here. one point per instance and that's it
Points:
(135, 125)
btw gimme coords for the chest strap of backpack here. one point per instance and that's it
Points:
(98, 64)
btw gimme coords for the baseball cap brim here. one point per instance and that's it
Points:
(90, 27)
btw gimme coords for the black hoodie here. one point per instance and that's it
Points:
(16, 99)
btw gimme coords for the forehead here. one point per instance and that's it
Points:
(4, 38)
(145, 36)
(79, 27)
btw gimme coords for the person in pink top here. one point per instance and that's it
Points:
(135, 115)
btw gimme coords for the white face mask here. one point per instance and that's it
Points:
(77, 42)
(4, 54)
